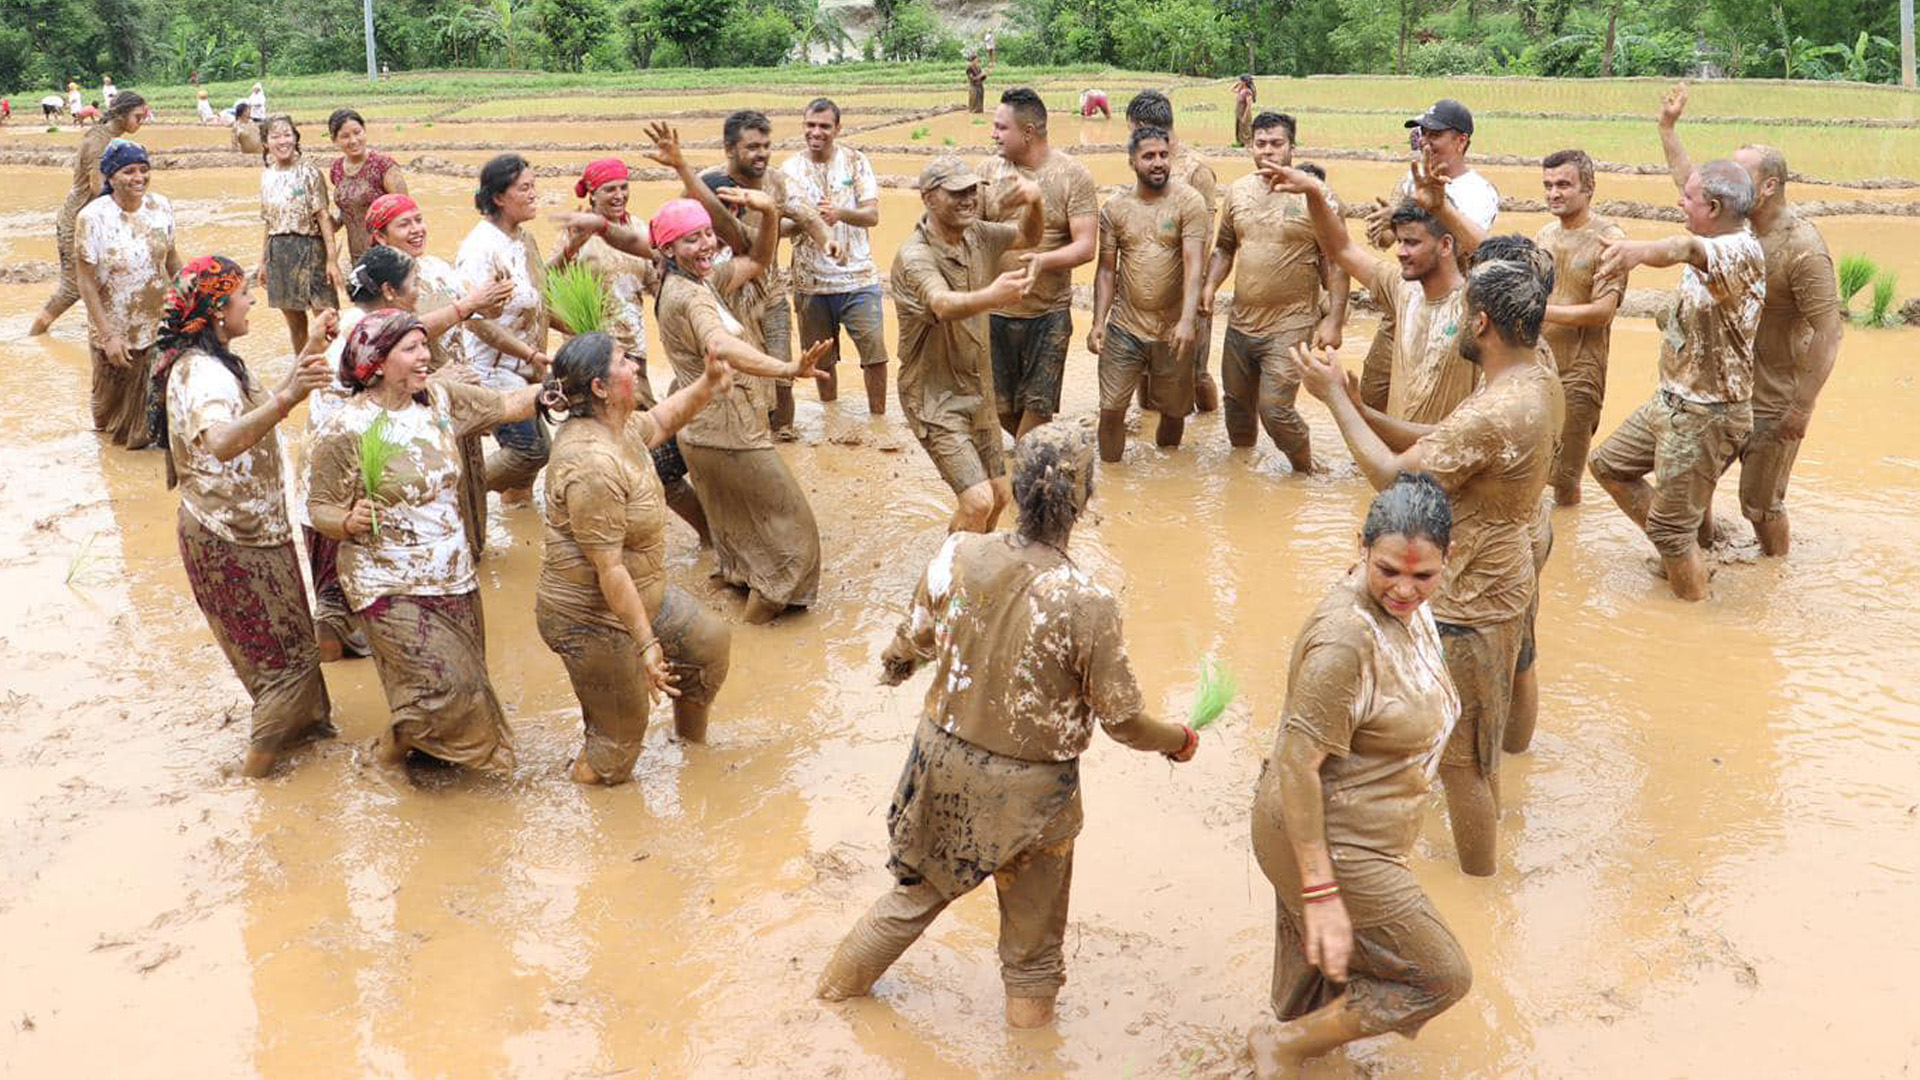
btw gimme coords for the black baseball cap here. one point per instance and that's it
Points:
(1445, 115)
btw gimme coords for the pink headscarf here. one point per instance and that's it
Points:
(675, 220)
(604, 171)
(382, 211)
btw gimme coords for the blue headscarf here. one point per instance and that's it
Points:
(119, 154)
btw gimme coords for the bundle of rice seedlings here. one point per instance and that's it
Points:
(376, 450)
(1855, 272)
(578, 297)
(1217, 691)
(1881, 313)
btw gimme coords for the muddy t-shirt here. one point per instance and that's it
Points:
(294, 199)
(1026, 649)
(946, 373)
(1430, 377)
(488, 254)
(1492, 455)
(1706, 343)
(602, 492)
(128, 253)
(627, 277)
(86, 166)
(1066, 192)
(1373, 693)
(241, 500)
(422, 547)
(690, 313)
(844, 181)
(1276, 269)
(1190, 167)
(1576, 259)
(440, 287)
(1146, 241)
(1800, 288)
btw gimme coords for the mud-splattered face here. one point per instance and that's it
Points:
(750, 155)
(1566, 195)
(1402, 574)
(610, 200)
(954, 210)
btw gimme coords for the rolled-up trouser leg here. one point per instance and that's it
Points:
(67, 293)
(522, 454)
(894, 922)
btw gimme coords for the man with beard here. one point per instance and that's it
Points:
(1030, 335)
(1150, 239)
(829, 292)
(1151, 108)
(1703, 410)
(1799, 336)
(1276, 297)
(945, 279)
(1492, 455)
(1422, 291)
(747, 136)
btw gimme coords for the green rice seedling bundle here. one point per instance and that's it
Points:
(1855, 272)
(376, 450)
(1217, 691)
(1881, 313)
(578, 296)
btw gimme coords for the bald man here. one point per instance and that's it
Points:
(1799, 336)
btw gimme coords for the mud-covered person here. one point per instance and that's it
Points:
(1244, 97)
(120, 123)
(1276, 297)
(976, 83)
(603, 603)
(991, 786)
(1151, 108)
(1702, 411)
(296, 246)
(360, 175)
(1358, 947)
(125, 261)
(509, 351)
(1492, 455)
(1030, 336)
(839, 288)
(765, 538)
(1580, 313)
(747, 137)
(220, 428)
(1798, 341)
(946, 278)
(404, 559)
(1440, 138)
(244, 132)
(1424, 287)
(1146, 294)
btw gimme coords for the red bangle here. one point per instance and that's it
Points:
(1322, 898)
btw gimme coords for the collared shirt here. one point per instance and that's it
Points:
(1706, 343)
(845, 180)
(946, 373)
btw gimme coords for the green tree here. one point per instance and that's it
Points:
(1189, 37)
(572, 28)
(693, 25)
(757, 37)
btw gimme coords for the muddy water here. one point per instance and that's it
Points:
(1712, 844)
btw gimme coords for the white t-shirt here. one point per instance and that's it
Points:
(484, 254)
(845, 181)
(258, 103)
(1470, 193)
(73, 101)
(108, 92)
(206, 111)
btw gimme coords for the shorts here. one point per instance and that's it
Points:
(296, 273)
(1029, 362)
(776, 326)
(1686, 446)
(824, 315)
(1481, 660)
(1124, 359)
(1766, 463)
(965, 456)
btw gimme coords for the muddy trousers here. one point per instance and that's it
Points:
(1032, 890)
(524, 447)
(67, 293)
(1261, 382)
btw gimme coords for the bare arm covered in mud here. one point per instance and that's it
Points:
(1327, 680)
(1321, 376)
(623, 599)
(485, 301)
(1339, 288)
(1679, 166)
(913, 639)
(1814, 368)
(1113, 694)
(1618, 257)
(1105, 276)
(684, 404)
(1597, 312)
(1084, 233)
(1430, 192)
(309, 372)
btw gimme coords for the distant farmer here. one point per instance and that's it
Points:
(833, 293)
(1799, 336)
(1095, 101)
(1702, 412)
(50, 107)
(73, 99)
(1031, 334)
(1151, 108)
(976, 83)
(207, 115)
(1244, 97)
(986, 42)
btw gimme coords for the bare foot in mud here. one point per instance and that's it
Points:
(1029, 1012)
(1269, 1060)
(760, 610)
(1658, 568)
(388, 750)
(582, 773)
(257, 763)
(520, 496)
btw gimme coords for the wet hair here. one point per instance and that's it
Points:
(1726, 182)
(1412, 213)
(1511, 284)
(1312, 169)
(1147, 133)
(125, 104)
(1582, 164)
(340, 118)
(380, 266)
(1275, 119)
(1027, 106)
(1773, 163)
(741, 122)
(1045, 495)
(1414, 506)
(821, 104)
(579, 362)
(497, 176)
(266, 129)
(1150, 108)
(242, 110)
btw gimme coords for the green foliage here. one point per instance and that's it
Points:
(693, 25)
(758, 37)
(1881, 313)
(572, 28)
(1855, 272)
(914, 32)
(578, 297)
(1187, 37)
(919, 133)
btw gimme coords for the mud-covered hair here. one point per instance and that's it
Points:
(1582, 164)
(569, 391)
(1144, 134)
(1414, 506)
(1276, 119)
(379, 266)
(1027, 106)
(1412, 213)
(739, 123)
(497, 177)
(339, 120)
(1052, 481)
(1151, 108)
(1510, 284)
